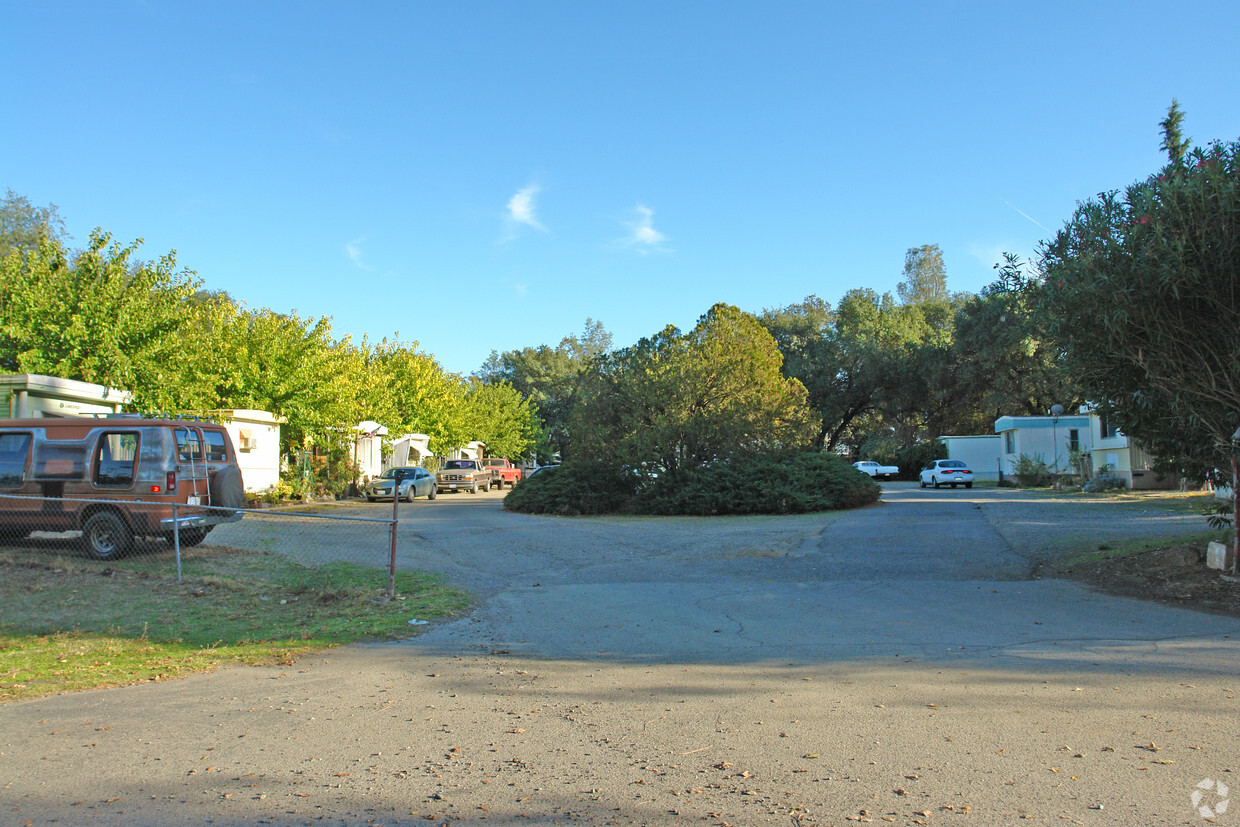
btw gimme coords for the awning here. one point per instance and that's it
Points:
(370, 428)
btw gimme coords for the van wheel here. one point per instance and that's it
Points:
(106, 535)
(431, 495)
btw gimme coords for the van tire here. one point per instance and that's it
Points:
(106, 535)
(226, 489)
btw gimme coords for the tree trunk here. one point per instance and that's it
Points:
(1235, 508)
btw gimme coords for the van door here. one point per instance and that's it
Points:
(14, 463)
(192, 472)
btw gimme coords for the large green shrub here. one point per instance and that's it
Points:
(784, 483)
(574, 489)
(790, 483)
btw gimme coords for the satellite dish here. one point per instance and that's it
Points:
(1056, 410)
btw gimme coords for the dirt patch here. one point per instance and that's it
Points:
(1174, 574)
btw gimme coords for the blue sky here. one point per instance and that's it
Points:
(478, 176)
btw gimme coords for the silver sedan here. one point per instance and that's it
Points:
(413, 481)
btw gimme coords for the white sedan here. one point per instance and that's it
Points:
(951, 472)
(869, 466)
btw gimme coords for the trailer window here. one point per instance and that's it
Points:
(14, 451)
(115, 459)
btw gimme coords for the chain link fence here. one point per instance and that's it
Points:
(169, 543)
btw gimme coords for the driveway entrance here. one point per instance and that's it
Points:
(891, 665)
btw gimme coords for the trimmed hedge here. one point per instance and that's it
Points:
(792, 483)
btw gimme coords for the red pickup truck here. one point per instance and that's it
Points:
(502, 471)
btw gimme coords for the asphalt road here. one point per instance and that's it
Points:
(897, 664)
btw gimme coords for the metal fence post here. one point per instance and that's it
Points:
(176, 539)
(391, 589)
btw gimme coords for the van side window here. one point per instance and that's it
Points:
(115, 458)
(57, 459)
(14, 451)
(189, 446)
(216, 452)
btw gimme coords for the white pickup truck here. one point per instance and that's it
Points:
(463, 475)
(869, 466)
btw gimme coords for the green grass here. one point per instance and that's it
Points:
(1178, 501)
(1125, 548)
(72, 624)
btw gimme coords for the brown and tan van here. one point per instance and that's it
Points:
(116, 478)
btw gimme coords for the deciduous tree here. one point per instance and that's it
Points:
(851, 360)
(1007, 367)
(22, 223)
(500, 416)
(681, 400)
(925, 276)
(102, 317)
(550, 377)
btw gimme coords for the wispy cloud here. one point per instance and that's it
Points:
(642, 235)
(354, 251)
(522, 211)
(1025, 214)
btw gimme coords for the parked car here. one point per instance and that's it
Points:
(117, 478)
(869, 466)
(464, 475)
(413, 482)
(540, 469)
(951, 472)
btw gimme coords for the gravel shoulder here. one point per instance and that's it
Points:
(1069, 538)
